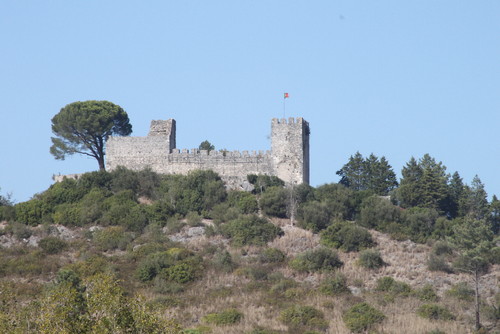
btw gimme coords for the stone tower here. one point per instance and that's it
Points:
(164, 129)
(290, 149)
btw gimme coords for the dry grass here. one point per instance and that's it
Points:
(406, 262)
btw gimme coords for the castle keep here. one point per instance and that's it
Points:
(288, 158)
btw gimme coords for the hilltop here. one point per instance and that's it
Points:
(206, 260)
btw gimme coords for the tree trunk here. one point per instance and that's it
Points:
(476, 281)
(100, 160)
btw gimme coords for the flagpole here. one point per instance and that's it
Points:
(284, 107)
(285, 96)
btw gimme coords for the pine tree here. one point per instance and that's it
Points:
(473, 239)
(372, 174)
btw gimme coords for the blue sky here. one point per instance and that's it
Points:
(396, 78)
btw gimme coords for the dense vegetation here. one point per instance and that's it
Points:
(129, 259)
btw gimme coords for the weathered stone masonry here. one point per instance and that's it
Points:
(288, 158)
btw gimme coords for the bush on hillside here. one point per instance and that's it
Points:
(390, 285)
(314, 216)
(262, 182)
(376, 212)
(299, 316)
(438, 263)
(420, 222)
(339, 199)
(435, 312)
(52, 245)
(244, 201)
(111, 238)
(273, 202)
(442, 248)
(68, 214)
(361, 317)
(200, 191)
(177, 265)
(427, 294)
(370, 259)
(250, 230)
(347, 237)
(33, 212)
(227, 317)
(334, 286)
(272, 255)
(319, 259)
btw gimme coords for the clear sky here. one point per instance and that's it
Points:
(396, 78)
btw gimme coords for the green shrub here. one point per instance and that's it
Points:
(200, 191)
(420, 222)
(427, 294)
(339, 200)
(67, 214)
(174, 225)
(272, 255)
(52, 245)
(98, 179)
(303, 316)
(110, 238)
(377, 212)
(160, 212)
(434, 312)
(273, 202)
(370, 259)
(223, 213)
(250, 230)
(20, 231)
(7, 212)
(181, 273)
(361, 317)
(438, 263)
(93, 205)
(261, 182)
(32, 212)
(176, 265)
(335, 285)
(226, 317)
(244, 201)
(442, 248)
(65, 192)
(314, 216)
(193, 219)
(461, 291)
(319, 259)
(347, 237)
(389, 284)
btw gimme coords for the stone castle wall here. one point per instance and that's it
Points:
(288, 158)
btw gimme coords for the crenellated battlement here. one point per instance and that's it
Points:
(290, 120)
(195, 152)
(288, 158)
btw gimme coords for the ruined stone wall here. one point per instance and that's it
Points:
(288, 158)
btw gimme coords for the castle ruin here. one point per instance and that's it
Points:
(288, 158)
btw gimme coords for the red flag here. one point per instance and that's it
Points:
(285, 96)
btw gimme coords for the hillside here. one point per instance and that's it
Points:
(107, 254)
